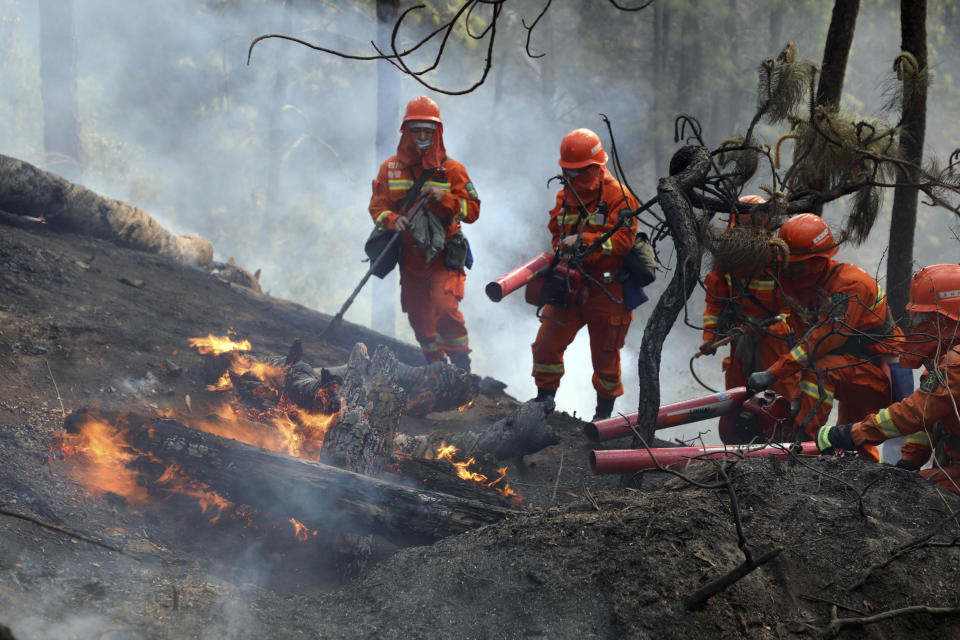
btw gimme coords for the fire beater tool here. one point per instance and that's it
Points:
(331, 328)
(744, 417)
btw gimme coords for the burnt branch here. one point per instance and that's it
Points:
(837, 624)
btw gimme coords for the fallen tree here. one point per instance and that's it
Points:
(27, 190)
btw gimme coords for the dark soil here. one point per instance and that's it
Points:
(87, 324)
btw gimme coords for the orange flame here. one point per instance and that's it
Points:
(102, 457)
(175, 480)
(446, 451)
(300, 530)
(214, 345)
(466, 406)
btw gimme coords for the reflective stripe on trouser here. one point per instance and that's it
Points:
(430, 295)
(607, 324)
(860, 387)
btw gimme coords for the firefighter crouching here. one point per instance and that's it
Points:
(931, 411)
(744, 304)
(588, 206)
(433, 251)
(846, 335)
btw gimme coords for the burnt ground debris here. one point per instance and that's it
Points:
(585, 559)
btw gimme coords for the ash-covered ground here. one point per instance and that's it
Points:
(87, 324)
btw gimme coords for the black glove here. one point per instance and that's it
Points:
(905, 464)
(830, 438)
(759, 380)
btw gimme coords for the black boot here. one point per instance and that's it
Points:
(604, 408)
(546, 396)
(461, 361)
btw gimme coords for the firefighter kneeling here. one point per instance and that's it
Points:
(934, 339)
(587, 208)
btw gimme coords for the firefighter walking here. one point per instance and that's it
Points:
(589, 205)
(931, 411)
(434, 252)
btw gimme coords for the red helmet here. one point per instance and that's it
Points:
(808, 236)
(422, 108)
(936, 289)
(580, 148)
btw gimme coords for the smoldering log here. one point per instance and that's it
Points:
(314, 493)
(27, 190)
(524, 432)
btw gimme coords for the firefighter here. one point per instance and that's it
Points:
(589, 204)
(745, 307)
(433, 251)
(934, 340)
(846, 335)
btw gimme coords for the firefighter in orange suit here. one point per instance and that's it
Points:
(930, 411)
(433, 250)
(846, 335)
(747, 305)
(590, 184)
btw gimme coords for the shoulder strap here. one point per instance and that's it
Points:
(408, 199)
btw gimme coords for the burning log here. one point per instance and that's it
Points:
(29, 191)
(523, 433)
(281, 487)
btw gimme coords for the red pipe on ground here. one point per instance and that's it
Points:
(520, 276)
(670, 415)
(633, 460)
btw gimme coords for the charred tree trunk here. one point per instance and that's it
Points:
(58, 88)
(692, 165)
(913, 35)
(316, 494)
(836, 51)
(28, 191)
(383, 315)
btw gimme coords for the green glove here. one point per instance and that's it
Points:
(831, 437)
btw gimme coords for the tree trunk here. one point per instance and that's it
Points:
(28, 191)
(383, 314)
(913, 36)
(836, 51)
(58, 88)
(683, 230)
(316, 494)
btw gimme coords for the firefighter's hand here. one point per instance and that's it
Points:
(708, 348)
(831, 438)
(401, 224)
(568, 244)
(760, 380)
(434, 194)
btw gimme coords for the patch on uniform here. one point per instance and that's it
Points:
(472, 191)
(929, 382)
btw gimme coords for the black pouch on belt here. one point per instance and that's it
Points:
(455, 252)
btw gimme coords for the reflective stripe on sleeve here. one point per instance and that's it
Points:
(799, 354)
(886, 424)
(382, 216)
(462, 213)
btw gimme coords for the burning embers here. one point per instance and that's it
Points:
(100, 458)
(446, 452)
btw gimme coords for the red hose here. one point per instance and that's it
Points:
(520, 276)
(633, 460)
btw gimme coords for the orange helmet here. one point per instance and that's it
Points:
(580, 148)
(752, 199)
(422, 108)
(808, 236)
(936, 289)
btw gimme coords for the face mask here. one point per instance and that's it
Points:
(424, 144)
(572, 173)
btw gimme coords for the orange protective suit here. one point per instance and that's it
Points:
(430, 293)
(753, 304)
(935, 401)
(607, 321)
(845, 333)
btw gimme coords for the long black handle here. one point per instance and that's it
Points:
(331, 328)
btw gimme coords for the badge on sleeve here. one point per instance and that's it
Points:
(472, 191)
(929, 382)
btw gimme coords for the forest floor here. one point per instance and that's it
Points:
(85, 324)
